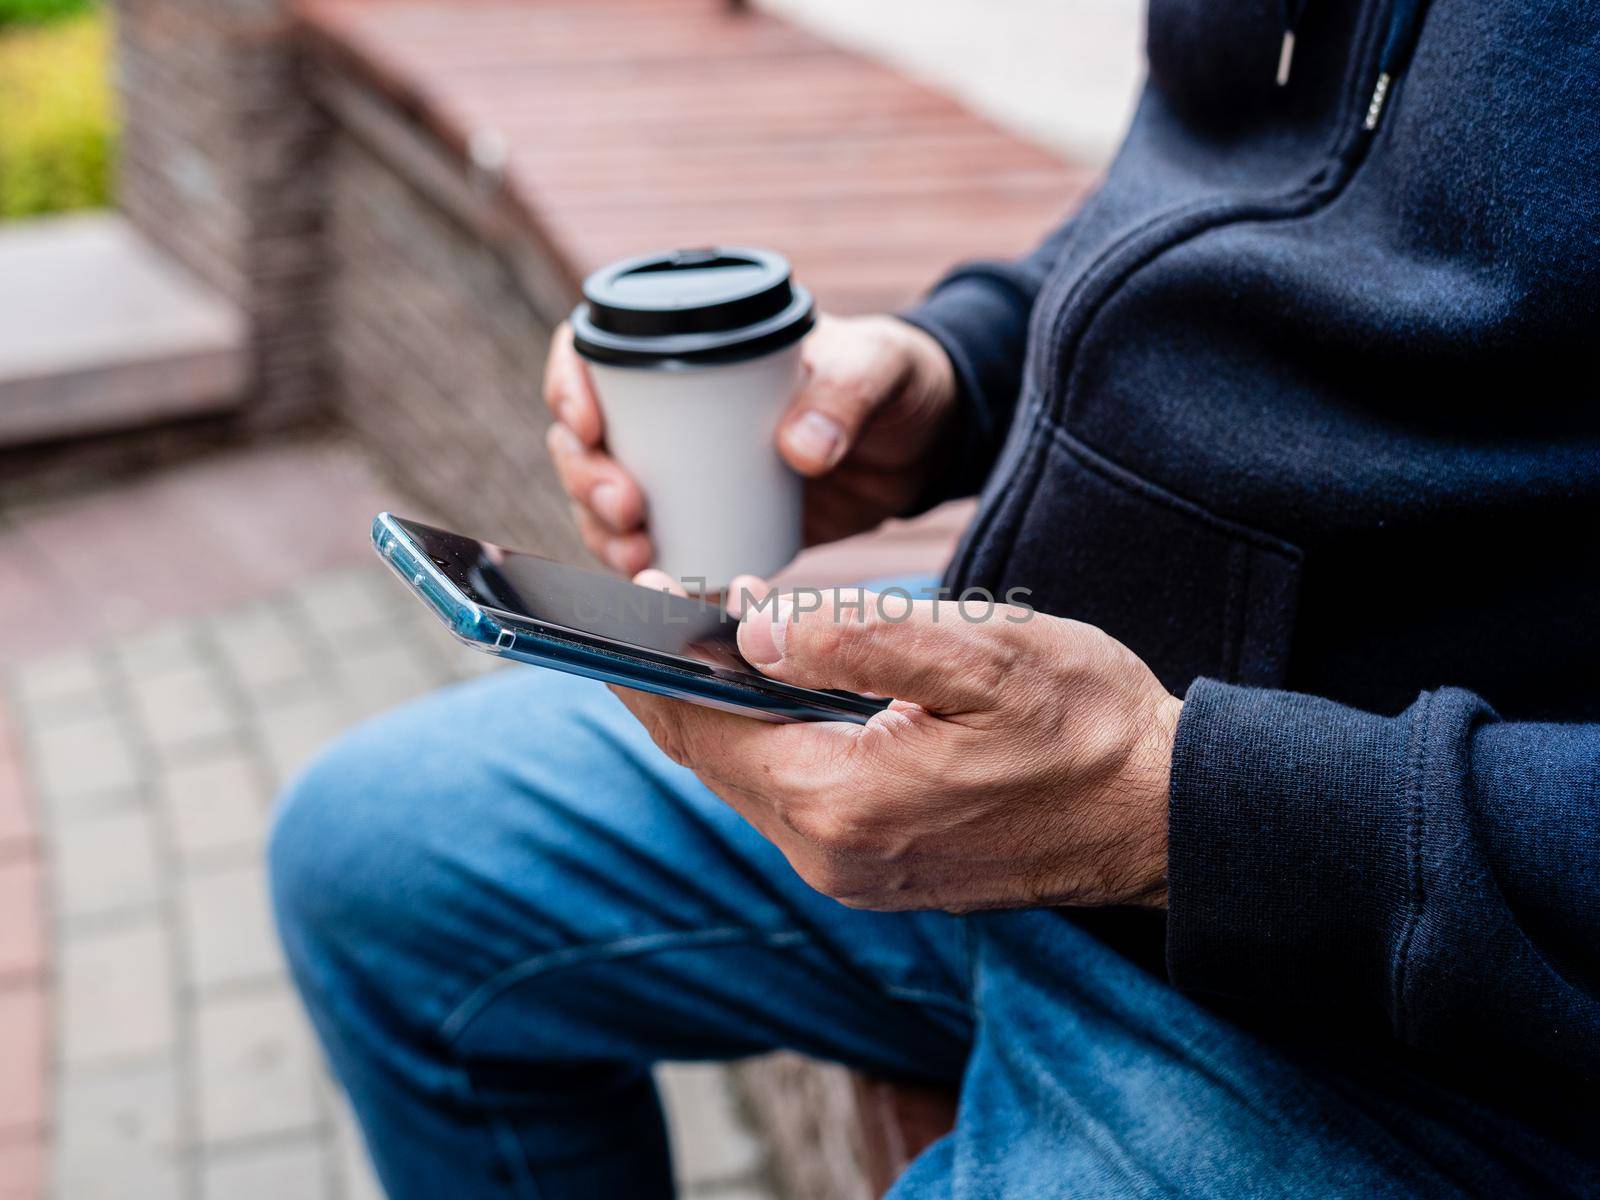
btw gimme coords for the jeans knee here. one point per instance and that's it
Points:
(335, 854)
(307, 829)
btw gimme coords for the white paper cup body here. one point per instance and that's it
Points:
(701, 442)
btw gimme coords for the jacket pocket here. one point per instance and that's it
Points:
(1191, 593)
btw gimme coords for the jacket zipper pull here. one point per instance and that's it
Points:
(1380, 92)
(1293, 10)
(1285, 57)
(1405, 22)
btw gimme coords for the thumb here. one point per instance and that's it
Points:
(885, 644)
(822, 423)
(847, 378)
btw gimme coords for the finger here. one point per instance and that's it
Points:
(659, 581)
(847, 377)
(885, 645)
(744, 592)
(625, 553)
(569, 390)
(593, 478)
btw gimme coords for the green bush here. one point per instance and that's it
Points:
(16, 12)
(56, 126)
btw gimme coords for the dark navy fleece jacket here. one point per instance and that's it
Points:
(1304, 406)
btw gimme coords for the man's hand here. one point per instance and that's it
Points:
(1024, 763)
(876, 396)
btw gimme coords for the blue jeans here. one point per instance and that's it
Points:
(502, 904)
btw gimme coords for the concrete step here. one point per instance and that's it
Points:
(99, 330)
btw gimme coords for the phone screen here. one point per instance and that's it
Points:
(586, 602)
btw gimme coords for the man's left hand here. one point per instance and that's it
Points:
(1025, 761)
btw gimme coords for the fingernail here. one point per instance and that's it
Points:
(817, 437)
(617, 553)
(606, 500)
(762, 640)
(567, 412)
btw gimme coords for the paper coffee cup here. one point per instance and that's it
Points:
(695, 356)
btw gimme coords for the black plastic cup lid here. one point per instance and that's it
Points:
(719, 304)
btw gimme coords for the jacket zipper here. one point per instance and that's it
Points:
(1068, 309)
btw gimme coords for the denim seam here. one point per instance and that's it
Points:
(505, 1140)
(919, 996)
(569, 956)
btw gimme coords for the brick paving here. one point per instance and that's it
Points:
(182, 1064)
(150, 1044)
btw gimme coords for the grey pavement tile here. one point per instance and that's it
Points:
(74, 760)
(227, 927)
(731, 1191)
(418, 627)
(105, 865)
(64, 677)
(292, 731)
(357, 1178)
(258, 1068)
(116, 995)
(465, 662)
(169, 646)
(353, 606)
(711, 1142)
(299, 1169)
(387, 675)
(116, 1134)
(262, 649)
(182, 708)
(62, 811)
(214, 804)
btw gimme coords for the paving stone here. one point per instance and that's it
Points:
(387, 675)
(357, 1178)
(117, 1134)
(116, 1001)
(181, 708)
(261, 650)
(19, 833)
(291, 732)
(710, 1140)
(22, 1051)
(358, 605)
(257, 1067)
(731, 1191)
(22, 1168)
(74, 760)
(298, 1169)
(214, 804)
(21, 921)
(227, 925)
(105, 865)
(66, 677)
(62, 811)
(170, 646)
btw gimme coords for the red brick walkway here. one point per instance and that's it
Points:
(24, 1042)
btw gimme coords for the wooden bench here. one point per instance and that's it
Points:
(612, 126)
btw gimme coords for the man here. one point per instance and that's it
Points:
(1298, 420)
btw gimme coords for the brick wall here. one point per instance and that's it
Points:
(221, 167)
(438, 357)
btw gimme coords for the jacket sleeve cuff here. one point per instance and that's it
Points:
(982, 322)
(1292, 827)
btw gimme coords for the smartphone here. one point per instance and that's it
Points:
(535, 610)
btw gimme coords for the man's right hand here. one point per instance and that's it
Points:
(863, 429)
